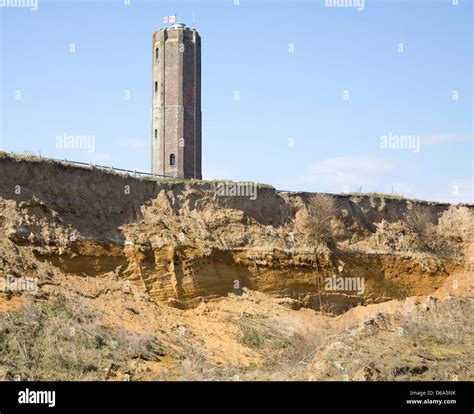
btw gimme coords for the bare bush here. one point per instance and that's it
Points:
(316, 217)
(430, 237)
(419, 220)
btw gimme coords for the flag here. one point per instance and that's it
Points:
(169, 19)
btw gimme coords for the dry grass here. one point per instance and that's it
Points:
(433, 344)
(378, 195)
(61, 340)
(261, 333)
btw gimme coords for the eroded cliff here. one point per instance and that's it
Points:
(183, 241)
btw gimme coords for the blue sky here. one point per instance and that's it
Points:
(319, 88)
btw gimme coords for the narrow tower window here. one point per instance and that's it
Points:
(156, 54)
(172, 159)
(156, 134)
(156, 86)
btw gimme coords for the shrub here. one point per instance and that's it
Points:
(316, 217)
(61, 340)
(419, 220)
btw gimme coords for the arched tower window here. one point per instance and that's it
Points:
(156, 55)
(156, 86)
(172, 159)
(156, 134)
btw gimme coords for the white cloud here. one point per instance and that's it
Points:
(348, 171)
(100, 157)
(457, 191)
(131, 143)
(214, 172)
(439, 139)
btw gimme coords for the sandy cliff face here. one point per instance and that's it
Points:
(182, 240)
(246, 280)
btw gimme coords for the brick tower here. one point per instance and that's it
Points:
(176, 110)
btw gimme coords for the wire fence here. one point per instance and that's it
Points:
(101, 167)
(134, 173)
